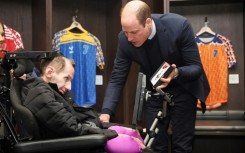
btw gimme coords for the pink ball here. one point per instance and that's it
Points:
(124, 143)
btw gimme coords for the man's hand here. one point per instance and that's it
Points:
(105, 118)
(166, 81)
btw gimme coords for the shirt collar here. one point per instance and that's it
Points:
(153, 32)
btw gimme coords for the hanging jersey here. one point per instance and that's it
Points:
(99, 52)
(83, 49)
(12, 41)
(217, 56)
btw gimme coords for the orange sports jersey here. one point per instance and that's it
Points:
(217, 55)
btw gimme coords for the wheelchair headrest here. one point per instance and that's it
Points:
(20, 66)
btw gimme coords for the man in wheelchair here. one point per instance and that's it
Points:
(57, 118)
(45, 97)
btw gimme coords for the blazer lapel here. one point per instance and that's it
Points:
(162, 39)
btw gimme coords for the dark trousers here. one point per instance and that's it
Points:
(182, 117)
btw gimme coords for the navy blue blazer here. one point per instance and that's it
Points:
(177, 46)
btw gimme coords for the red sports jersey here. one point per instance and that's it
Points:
(217, 55)
(12, 41)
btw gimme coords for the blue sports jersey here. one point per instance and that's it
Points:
(83, 49)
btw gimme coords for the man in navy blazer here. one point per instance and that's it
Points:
(149, 40)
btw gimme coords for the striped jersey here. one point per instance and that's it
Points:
(217, 55)
(13, 40)
(85, 49)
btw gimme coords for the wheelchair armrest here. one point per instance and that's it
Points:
(71, 143)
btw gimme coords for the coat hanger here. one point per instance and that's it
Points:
(75, 26)
(205, 29)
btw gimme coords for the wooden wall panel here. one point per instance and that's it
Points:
(18, 15)
(42, 25)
